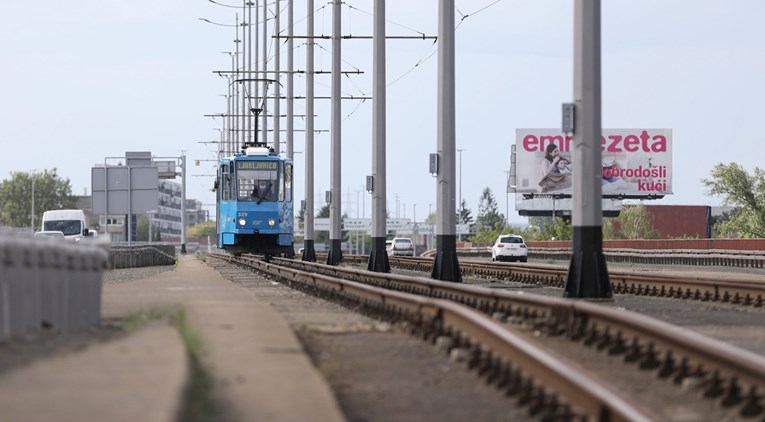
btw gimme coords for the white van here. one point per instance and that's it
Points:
(72, 223)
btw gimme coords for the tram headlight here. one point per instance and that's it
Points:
(242, 221)
(271, 222)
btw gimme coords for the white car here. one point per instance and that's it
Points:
(509, 247)
(402, 246)
(50, 234)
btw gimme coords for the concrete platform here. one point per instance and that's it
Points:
(260, 370)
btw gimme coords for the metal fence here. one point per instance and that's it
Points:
(141, 255)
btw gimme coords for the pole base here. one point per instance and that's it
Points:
(335, 252)
(445, 266)
(587, 273)
(183, 248)
(309, 253)
(378, 258)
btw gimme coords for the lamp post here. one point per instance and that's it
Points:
(507, 200)
(432, 227)
(415, 231)
(459, 206)
(363, 204)
(34, 178)
(358, 235)
(151, 222)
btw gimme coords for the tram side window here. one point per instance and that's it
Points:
(225, 182)
(287, 182)
(257, 185)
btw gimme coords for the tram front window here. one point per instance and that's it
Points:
(257, 185)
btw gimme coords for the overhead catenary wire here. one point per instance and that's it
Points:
(428, 54)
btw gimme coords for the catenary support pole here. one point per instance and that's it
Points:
(587, 273)
(237, 89)
(264, 68)
(378, 258)
(309, 252)
(277, 85)
(335, 254)
(290, 82)
(183, 203)
(445, 266)
(248, 131)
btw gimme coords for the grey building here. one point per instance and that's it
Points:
(166, 219)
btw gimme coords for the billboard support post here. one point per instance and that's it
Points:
(587, 273)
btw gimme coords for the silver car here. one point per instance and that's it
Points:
(402, 246)
(50, 234)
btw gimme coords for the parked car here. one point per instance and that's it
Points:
(402, 246)
(509, 247)
(50, 234)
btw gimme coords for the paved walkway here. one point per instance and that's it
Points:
(260, 370)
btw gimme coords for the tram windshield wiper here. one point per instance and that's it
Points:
(263, 194)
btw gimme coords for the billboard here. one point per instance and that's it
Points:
(636, 163)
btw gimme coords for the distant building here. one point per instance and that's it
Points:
(681, 221)
(167, 219)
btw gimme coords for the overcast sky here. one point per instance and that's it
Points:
(85, 80)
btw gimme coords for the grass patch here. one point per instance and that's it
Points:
(198, 406)
(139, 319)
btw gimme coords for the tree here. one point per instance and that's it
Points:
(548, 228)
(207, 228)
(633, 222)
(323, 236)
(745, 192)
(488, 212)
(50, 193)
(463, 214)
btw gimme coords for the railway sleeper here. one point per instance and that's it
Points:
(494, 370)
(753, 404)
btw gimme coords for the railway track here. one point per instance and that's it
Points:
(741, 292)
(734, 377)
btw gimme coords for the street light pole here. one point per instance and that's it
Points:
(34, 178)
(363, 204)
(507, 200)
(460, 204)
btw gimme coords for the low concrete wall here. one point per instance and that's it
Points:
(49, 283)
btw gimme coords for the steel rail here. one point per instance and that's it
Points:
(735, 374)
(689, 287)
(547, 385)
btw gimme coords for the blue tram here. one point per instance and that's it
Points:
(254, 201)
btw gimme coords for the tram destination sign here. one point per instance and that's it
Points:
(257, 165)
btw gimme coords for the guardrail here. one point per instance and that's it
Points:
(141, 255)
(49, 284)
(706, 257)
(699, 257)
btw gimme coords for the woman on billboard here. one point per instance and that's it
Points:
(555, 170)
